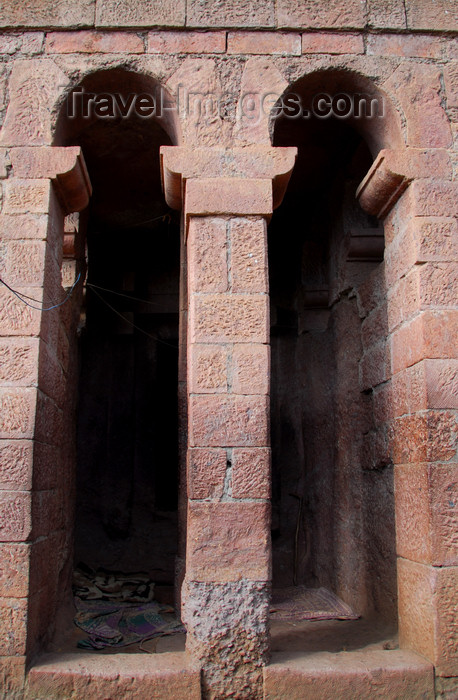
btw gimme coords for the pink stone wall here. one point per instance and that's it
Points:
(405, 309)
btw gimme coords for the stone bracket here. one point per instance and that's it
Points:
(384, 184)
(64, 165)
(179, 164)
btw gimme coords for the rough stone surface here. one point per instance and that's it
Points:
(314, 14)
(47, 13)
(238, 13)
(228, 421)
(231, 642)
(228, 318)
(365, 674)
(140, 13)
(228, 541)
(206, 473)
(159, 677)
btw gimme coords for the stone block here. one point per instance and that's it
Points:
(22, 263)
(451, 84)
(438, 282)
(207, 372)
(228, 421)
(207, 255)
(431, 334)
(14, 570)
(275, 43)
(140, 13)
(441, 378)
(314, 14)
(375, 365)
(208, 196)
(228, 318)
(418, 88)
(250, 369)
(186, 42)
(429, 436)
(13, 623)
(228, 542)
(23, 226)
(157, 676)
(432, 15)
(15, 516)
(386, 14)
(409, 46)
(35, 81)
(18, 361)
(348, 675)
(332, 43)
(17, 412)
(12, 676)
(27, 196)
(16, 317)
(416, 607)
(93, 42)
(249, 255)
(435, 239)
(251, 473)
(206, 473)
(237, 13)
(16, 465)
(47, 13)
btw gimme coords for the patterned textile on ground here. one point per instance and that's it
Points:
(117, 609)
(302, 603)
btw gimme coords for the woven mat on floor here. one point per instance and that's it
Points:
(302, 603)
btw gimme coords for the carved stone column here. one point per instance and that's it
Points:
(227, 196)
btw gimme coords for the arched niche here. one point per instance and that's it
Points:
(333, 520)
(126, 244)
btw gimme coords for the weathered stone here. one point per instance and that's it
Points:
(47, 13)
(250, 369)
(231, 642)
(249, 255)
(93, 42)
(238, 13)
(16, 465)
(36, 82)
(251, 473)
(313, 14)
(140, 13)
(283, 44)
(208, 369)
(327, 42)
(228, 421)
(207, 255)
(186, 42)
(228, 318)
(206, 473)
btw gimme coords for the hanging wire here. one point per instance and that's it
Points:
(118, 313)
(23, 297)
(120, 294)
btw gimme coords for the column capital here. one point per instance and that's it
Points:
(64, 165)
(180, 164)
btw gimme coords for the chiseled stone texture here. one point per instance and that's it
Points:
(236, 13)
(140, 13)
(231, 639)
(228, 541)
(47, 13)
(229, 318)
(319, 14)
(228, 421)
(345, 676)
(138, 676)
(37, 82)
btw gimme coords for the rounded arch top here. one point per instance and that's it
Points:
(113, 95)
(344, 95)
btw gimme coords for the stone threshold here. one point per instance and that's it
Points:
(363, 674)
(93, 676)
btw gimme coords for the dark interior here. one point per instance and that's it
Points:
(127, 424)
(333, 513)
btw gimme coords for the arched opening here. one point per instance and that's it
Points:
(126, 484)
(333, 521)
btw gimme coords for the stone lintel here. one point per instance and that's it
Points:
(64, 165)
(179, 164)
